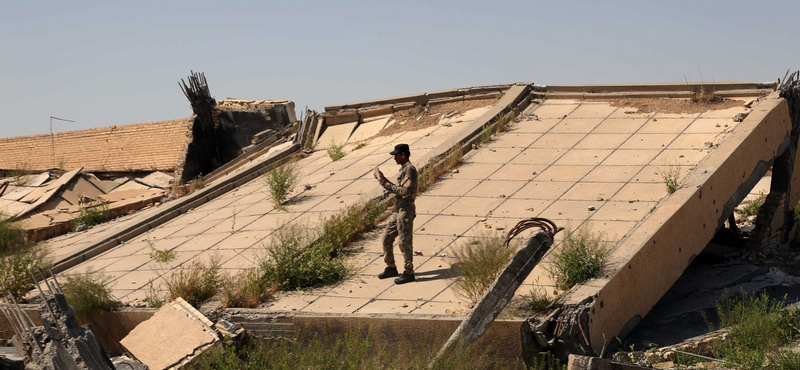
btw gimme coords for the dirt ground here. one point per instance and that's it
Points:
(670, 105)
(417, 118)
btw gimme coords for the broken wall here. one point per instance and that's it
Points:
(238, 121)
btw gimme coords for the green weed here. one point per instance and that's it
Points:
(92, 214)
(751, 208)
(336, 152)
(361, 144)
(89, 293)
(486, 134)
(547, 361)
(582, 256)
(357, 349)
(281, 182)
(479, 261)
(162, 255)
(195, 282)
(760, 329)
(671, 176)
(298, 257)
(504, 121)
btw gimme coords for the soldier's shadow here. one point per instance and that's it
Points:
(438, 274)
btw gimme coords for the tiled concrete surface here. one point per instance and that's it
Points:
(576, 155)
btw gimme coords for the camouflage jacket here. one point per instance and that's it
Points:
(406, 188)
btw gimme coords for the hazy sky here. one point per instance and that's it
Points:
(104, 63)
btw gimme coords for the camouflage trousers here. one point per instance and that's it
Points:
(401, 223)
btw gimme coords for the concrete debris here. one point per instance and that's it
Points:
(156, 180)
(60, 343)
(175, 336)
(740, 117)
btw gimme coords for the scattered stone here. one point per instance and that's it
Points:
(417, 253)
(708, 144)
(740, 117)
(591, 208)
(600, 199)
(455, 170)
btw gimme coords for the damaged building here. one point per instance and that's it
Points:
(589, 156)
(47, 180)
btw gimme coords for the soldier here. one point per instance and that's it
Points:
(401, 222)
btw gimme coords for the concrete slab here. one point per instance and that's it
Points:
(156, 180)
(169, 337)
(130, 185)
(335, 135)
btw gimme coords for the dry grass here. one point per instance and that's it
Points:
(431, 172)
(247, 289)
(479, 261)
(195, 282)
(670, 177)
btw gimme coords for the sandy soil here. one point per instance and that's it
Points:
(416, 118)
(668, 105)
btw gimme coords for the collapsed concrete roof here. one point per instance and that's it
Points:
(576, 155)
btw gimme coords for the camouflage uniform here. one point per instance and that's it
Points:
(401, 222)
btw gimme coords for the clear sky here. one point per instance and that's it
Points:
(104, 63)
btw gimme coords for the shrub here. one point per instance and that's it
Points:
(16, 264)
(479, 261)
(10, 236)
(582, 256)
(336, 152)
(280, 182)
(292, 261)
(89, 293)
(247, 289)
(340, 229)
(195, 282)
(760, 328)
(92, 214)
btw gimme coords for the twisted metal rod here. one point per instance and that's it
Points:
(546, 225)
